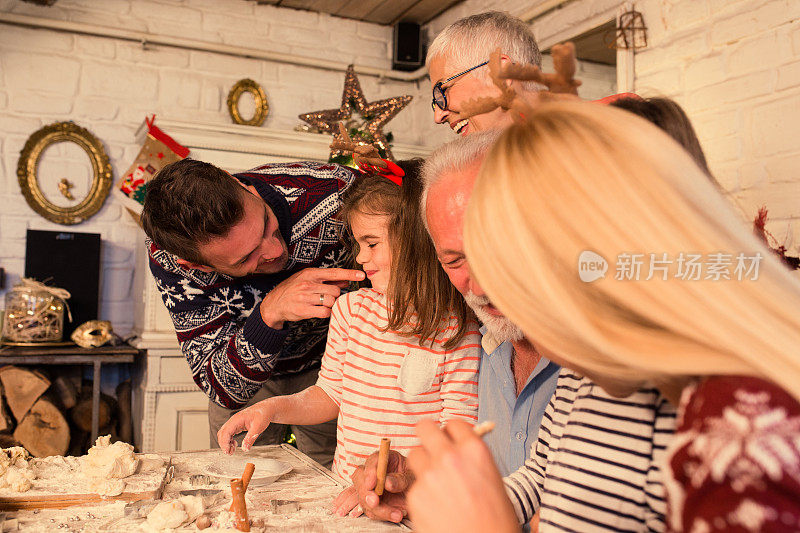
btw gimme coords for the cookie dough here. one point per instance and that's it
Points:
(109, 461)
(15, 471)
(173, 514)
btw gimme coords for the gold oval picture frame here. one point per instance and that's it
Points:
(262, 107)
(29, 181)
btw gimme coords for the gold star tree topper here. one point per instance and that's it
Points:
(375, 114)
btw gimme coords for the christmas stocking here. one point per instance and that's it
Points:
(159, 150)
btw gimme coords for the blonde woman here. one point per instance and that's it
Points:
(583, 186)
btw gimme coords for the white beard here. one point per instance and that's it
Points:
(501, 328)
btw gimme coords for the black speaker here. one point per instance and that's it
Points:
(71, 261)
(408, 53)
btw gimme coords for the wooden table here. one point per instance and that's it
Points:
(313, 486)
(72, 355)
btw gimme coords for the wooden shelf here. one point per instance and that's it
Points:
(72, 355)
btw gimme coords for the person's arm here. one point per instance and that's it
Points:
(231, 356)
(307, 407)
(314, 405)
(459, 386)
(458, 487)
(331, 369)
(392, 505)
(309, 293)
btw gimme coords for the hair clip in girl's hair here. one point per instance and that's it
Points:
(390, 170)
(366, 157)
(608, 100)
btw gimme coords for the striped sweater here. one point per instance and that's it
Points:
(384, 382)
(597, 464)
(230, 350)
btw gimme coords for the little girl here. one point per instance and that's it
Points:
(397, 353)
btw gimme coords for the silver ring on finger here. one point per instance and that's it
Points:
(321, 299)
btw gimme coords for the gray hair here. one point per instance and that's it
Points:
(469, 41)
(453, 157)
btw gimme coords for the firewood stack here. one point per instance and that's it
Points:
(53, 416)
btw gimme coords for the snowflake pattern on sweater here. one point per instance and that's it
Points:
(230, 351)
(734, 464)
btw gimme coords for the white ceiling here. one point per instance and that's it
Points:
(387, 12)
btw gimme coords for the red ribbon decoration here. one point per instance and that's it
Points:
(619, 96)
(392, 172)
(156, 132)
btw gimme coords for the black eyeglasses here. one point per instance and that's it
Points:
(439, 98)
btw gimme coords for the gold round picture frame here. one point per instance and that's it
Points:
(262, 107)
(29, 181)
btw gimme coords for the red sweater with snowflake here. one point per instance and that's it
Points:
(230, 350)
(734, 463)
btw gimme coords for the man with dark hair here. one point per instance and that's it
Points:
(249, 266)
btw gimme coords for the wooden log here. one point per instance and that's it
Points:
(22, 388)
(81, 414)
(44, 431)
(107, 430)
(5, 421)
(78, 441)
(7, 440)
(124, 415)
(66, 391)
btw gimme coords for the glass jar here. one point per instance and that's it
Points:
(33, 315)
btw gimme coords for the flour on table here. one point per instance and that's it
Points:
(175, 513)
(15, 471)
(193, 505)
(225, 521)
(106, 487)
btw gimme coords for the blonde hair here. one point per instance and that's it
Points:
(581, 177)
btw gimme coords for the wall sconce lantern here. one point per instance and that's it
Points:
(631, 31)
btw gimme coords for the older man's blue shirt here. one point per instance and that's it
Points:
(517, 418)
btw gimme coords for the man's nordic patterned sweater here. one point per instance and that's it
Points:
(230, 350)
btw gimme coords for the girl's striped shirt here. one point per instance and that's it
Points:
(384, 382)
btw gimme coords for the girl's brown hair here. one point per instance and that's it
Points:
(670, 117)
(420, 297)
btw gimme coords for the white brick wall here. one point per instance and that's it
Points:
(739, 81)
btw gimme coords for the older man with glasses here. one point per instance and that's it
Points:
(456, 61)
